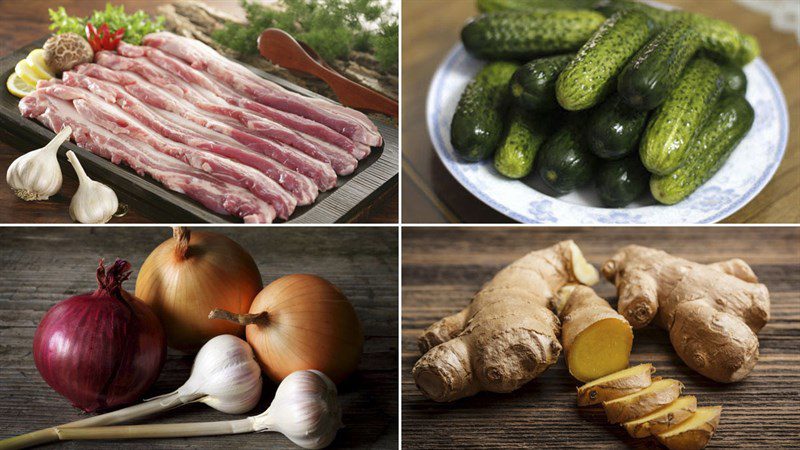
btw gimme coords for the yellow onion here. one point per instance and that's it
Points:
(301, 322)
(192, 273)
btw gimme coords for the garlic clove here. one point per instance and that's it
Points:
(93, 202)
(36, 175)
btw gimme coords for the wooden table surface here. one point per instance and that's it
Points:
(27, 20)
(362, 262)
(431, 194)
(444, 267)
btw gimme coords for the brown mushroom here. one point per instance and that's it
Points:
(65, 51)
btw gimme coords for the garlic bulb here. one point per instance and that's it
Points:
(226, 374)
(305, 410)
(94, 202)
(36, 175)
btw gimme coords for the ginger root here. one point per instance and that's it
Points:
(507, 335)
(694, 432)
(639, 404)
(712, 312)
(662, 419)
(597, 340)
(616, 385)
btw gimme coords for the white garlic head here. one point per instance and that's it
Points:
(36, 175)
(305, 409)
(226, 373)
(93, 202)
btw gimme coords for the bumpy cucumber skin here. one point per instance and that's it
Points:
(489, 6)
(564, 162)
(715, 35)
(525, 135)
(614, 129)
(533, 85)
(513, 35)
(730, 120)
(674, 124)
(478, 121)
(650, 76)
(622, 181)
(592, 74)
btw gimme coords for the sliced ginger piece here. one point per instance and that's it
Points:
(644, 402)
(597, 340)
(616, 385)
(662, 419)
(694, 432)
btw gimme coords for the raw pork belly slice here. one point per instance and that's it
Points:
(177, 176)
(193, 86)
(113, 119)
(346, 121)
(205, 126)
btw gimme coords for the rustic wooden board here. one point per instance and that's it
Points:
(361, 261)
(444, 267)
(374, 175)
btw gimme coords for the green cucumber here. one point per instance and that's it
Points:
(489, 6)
(730, 120)
(478, 121)
(715, 35)
(592, 75)
(654, 71)
(516, 35)
(564, 162)
(621, 181)
(614, 129)
(675, 123)
(524, 136)
(533, 85)
(734, 81)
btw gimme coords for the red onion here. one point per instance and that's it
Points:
(102, 349)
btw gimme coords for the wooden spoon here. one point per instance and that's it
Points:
(282, 49)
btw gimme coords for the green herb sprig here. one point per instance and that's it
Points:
(333, 28)
(137, 25)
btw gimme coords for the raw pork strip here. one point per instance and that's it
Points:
(346, 121)
(175, 175)
(181, 130)
(193, 86)
(307, 161)
(114, 119)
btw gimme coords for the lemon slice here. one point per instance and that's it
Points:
(24, 71)
(18, 87)
(38, 66)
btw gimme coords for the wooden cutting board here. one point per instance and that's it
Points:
(374, 175)
(362, 262)
(444, 267)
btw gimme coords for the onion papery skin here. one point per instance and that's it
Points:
(310, 325)
(100, 352)
(215, 272)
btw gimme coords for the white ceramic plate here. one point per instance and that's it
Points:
(747, 171)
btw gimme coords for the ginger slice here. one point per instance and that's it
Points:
(662, 419)
(694, 432)
(644, 402)
(616, 385)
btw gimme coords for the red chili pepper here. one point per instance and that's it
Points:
(105, 36)
(91, 36)
(117, 38)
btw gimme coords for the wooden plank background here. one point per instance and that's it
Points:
(27, 20)
(41, 266)
(432, 195)
(444, 267)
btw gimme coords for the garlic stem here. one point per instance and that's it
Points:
(305, 410)
(224, 376)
